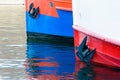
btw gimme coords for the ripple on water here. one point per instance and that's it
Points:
(11, 63)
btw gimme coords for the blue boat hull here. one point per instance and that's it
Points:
(59, 26)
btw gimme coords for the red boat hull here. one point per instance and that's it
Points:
(107, 50)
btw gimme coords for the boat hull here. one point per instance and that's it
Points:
(52, 20)
(107, 50)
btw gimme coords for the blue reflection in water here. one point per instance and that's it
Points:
(50, 60)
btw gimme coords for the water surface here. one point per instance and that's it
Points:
(12, 42)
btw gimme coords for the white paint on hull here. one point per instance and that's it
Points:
(99, 16)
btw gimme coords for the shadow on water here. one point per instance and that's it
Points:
(46, 60)
(49, 39)
(84, 72)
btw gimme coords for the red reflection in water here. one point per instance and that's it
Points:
(96, 72)
(45, 71)
(42, 64)
(48, 71)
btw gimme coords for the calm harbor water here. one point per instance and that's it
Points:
(27, 59)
